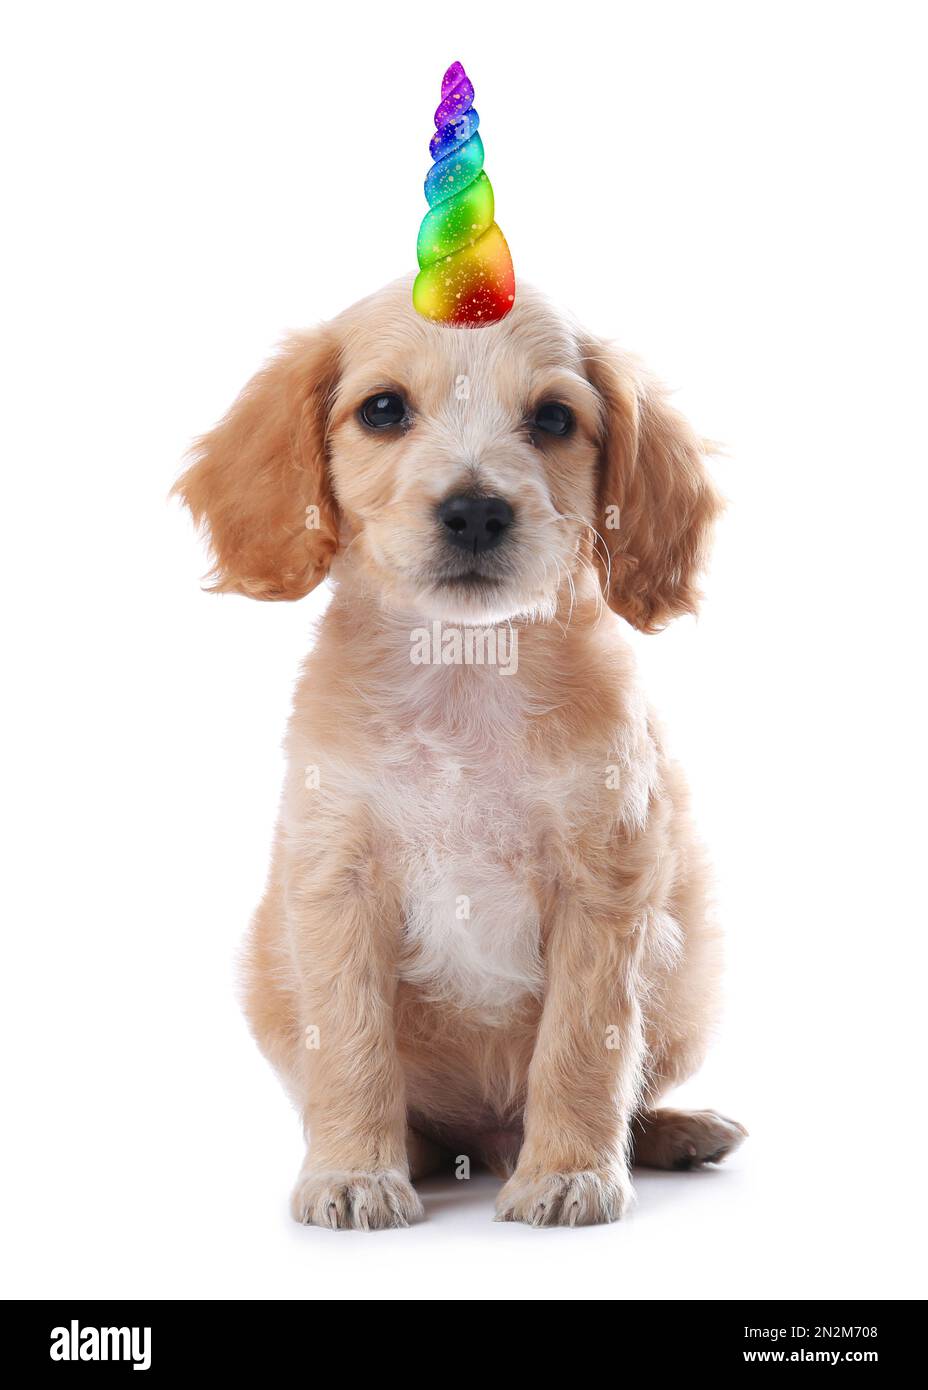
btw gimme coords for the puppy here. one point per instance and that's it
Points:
(485, 931)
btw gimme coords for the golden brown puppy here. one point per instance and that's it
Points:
(485, 926)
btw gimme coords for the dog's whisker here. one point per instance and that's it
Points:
(573, 593)
(598, 540)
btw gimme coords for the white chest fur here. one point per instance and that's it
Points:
(472, 924)
(467, 809)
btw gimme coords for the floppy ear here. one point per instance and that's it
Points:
(657, 503)
(259, 483)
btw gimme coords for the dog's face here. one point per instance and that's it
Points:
(463, 474)
(463, 462)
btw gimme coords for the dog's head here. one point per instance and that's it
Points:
(468, 475)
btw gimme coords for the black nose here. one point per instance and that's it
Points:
(475, 523)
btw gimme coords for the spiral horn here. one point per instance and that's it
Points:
(465, 275)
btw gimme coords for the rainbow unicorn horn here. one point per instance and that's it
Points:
(465, 277)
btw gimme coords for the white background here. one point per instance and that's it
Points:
(736, 192)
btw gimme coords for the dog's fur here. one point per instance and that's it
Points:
(535, 1029)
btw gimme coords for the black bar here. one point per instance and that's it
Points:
(240, 1337)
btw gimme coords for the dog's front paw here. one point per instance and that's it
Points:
(355, 1201)
(586, 1198)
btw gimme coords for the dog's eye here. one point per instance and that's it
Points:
(554, 418)
(383, 411)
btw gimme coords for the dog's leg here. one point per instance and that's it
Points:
(585, 1074)
(683, 1138)
(423, 1154)
(345, 927)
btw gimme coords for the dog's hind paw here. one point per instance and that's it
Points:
(564, 1199)
(683, 1139)
(348, 1201)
